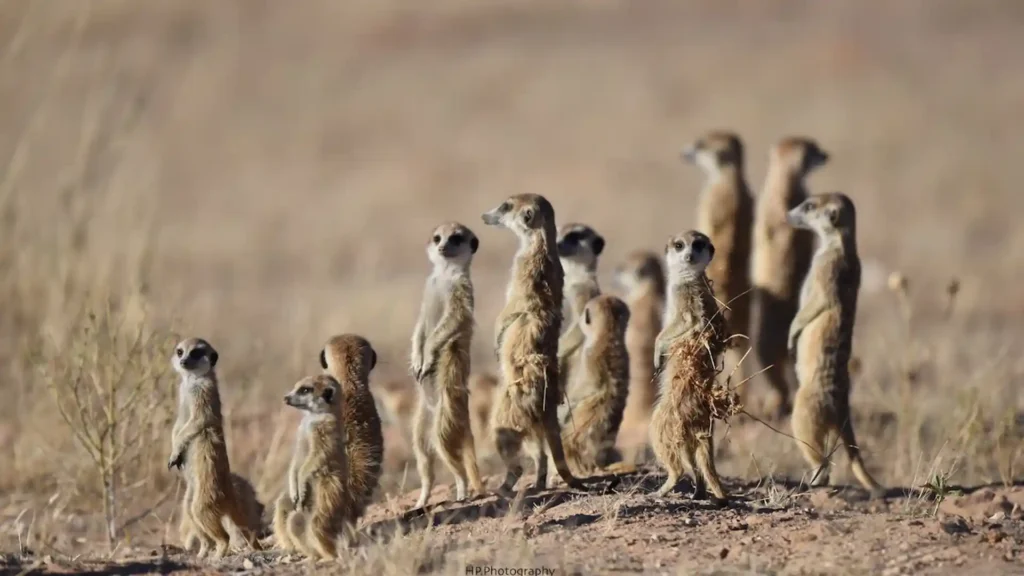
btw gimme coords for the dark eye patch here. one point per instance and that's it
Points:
(698, 245)
(572, 238)
(195, 354)
(505, 207)
(455, 239)
(305, 390)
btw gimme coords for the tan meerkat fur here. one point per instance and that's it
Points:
(318, 507)
(350, 359)
(642, 281)
(199, 449)
(579, 247)
(599, 394)
(682, 426)
(397, 402)
(780, 259)
(482, 388)
(440, 361)
(252, 509)
(821, 336)
(526, 342)
(725, 213)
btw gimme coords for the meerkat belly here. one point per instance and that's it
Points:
(812, 349)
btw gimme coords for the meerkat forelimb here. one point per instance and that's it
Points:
(320, 509)
(350, 358)
(579, 247)
(821, 336)
(199, 450)
(641, 278)
(725, 212)
(780, 260)
(682, 425)
(441, 363)
(599, 393)
(526, 342)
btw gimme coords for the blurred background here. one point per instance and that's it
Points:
(265, 174)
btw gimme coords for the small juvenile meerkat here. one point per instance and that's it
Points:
(252, 509)
(199, 450)
(526, 342)
(440, 362)
(725, 212)
(781, 257)
(578, 249)
(602, 383)
(682, 426)
(318, 507)
(482, 387)
(350, 358)
(821, 336)
(642, 280)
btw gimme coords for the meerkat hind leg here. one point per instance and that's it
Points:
(541, 461)
(704, 469)
(424, 451)
(811, 437)
(450, 449)
(509, 444)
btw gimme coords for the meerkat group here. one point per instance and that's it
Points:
(580, 374)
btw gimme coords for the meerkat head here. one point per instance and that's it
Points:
(194, 357)
(524, 214)
(317, 394)
(688, 254)
(452, 243)
(715, 151)
(579, 244)
(604, 314)
(826, 214)
(641, 268)
(797, 156)
(348, 356)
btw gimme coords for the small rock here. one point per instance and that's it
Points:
(247, 564)
(723, 553)
(955, 525)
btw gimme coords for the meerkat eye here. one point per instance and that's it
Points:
(179, 352)
(678, 246)
(436, 238)
(304, 390)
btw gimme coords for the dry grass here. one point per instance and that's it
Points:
(264, 176)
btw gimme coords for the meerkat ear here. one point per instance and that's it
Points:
(527, 215)
(711, 251)
(328, 394)
(213, 358)
(323, 358)
(474, 244)
(598, 245)
(373, 359)
(832, 213)
(586, 315)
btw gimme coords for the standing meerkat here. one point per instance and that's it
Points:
(440, 362)
(199, 450)
(821, 336)
(725, 212)
(602, 383)
(318, 507)
(578, 249)
(642, 280)
(350, 358)
(526, 342)
(781, 257)
(685, 357)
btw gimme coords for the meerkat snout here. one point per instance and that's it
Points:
(194, 356)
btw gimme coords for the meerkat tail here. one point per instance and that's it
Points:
(856, 462)
(472, 468)
(619, 468)
(554, 441)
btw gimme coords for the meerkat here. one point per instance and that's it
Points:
(482, 386)
(350, 358)
(641, 278)
(599, 395)
(440, 362)
(821, 336)
(780, 260)
(199, 450)
(526, 343)
(681, 426)
(319, 507)
(252, 509)
(579, 247)
(725, 212)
